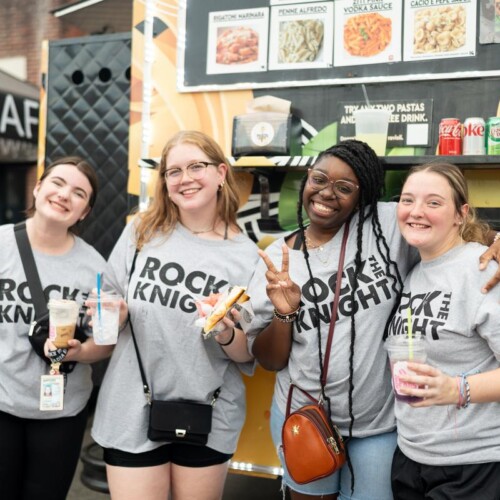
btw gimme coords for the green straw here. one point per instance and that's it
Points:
(410, 334)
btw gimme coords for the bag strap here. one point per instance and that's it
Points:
(145, 386)
(29, 266)
(335, 306)
(333, 320)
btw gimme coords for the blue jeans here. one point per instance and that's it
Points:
(371, 459)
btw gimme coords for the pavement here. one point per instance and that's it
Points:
(238, 486)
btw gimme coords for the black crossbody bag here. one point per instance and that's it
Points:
(188, 422)
(39, 328)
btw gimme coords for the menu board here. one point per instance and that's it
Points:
(283, 43)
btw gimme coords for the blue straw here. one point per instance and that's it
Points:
(99, 296)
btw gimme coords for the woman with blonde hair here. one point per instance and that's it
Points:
(449, 437)
(188, 246)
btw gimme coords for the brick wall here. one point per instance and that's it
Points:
(24, 24)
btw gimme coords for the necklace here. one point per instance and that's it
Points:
(319, 249)
(311, 245)
(202, 231)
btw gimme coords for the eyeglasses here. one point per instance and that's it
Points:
(195, 171)
(318, 181)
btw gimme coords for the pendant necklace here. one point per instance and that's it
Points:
(318, 248)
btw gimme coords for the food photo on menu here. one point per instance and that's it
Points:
(301, 36)
(237, 41)
(440, 31)
(300, 41)
(237, 45)
(367, 33)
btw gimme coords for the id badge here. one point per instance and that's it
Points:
(51, 392)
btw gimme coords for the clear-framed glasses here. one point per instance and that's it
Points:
(195, 171)
(318, 181)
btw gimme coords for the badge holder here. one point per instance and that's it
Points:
(52, 389)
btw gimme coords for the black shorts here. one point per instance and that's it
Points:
(186, 455)
(414, 481)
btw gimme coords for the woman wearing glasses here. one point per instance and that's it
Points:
(189, 246)
(299, 275)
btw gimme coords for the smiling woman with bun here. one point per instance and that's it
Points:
(449, 441)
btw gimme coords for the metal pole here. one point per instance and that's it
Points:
(147, 91)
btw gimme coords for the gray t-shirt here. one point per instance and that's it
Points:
(68, 276)
(179, 364)
(372, 397)
(462, 333)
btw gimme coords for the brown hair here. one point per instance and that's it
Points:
(162, 215)
(472, 229)
(83, 167)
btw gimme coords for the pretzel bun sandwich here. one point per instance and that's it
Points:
(235, 294)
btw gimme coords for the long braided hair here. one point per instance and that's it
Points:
(367, 167)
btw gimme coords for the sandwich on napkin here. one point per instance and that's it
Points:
(235, 294)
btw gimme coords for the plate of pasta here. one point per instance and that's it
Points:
(367, 35)
(300, 41)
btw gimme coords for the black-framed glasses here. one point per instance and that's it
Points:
(195, 171)
(318, 181)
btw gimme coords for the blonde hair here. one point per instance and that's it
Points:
(472, 228)
(162, 215)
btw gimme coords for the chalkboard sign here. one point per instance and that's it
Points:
(260, 43)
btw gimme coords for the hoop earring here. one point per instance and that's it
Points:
(221, 185)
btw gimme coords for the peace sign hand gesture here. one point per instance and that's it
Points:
(281, 290)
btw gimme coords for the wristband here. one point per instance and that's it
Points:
(286, 318)
(230, 340)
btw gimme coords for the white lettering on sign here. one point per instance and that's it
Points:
(10, 117)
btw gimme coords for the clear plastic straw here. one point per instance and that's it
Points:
(366, 95)
(99, 297)
(410, 334)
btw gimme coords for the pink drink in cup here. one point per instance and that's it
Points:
(401, 350)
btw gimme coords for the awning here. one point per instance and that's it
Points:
(18, 120)
(98, 16)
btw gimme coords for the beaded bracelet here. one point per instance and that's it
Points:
(230, 341)
(467, 391)
(464, 392)
(286, 318)
(460, 393)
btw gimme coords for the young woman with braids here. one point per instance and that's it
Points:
(299, 275)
